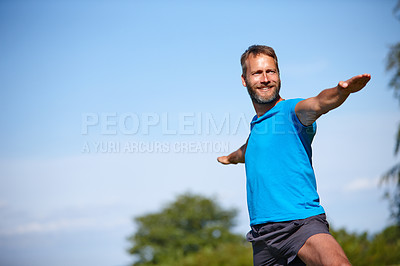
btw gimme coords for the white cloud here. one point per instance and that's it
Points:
(63, 225)
(361, 184)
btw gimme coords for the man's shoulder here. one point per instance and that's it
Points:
(293, 101)
(290, 104)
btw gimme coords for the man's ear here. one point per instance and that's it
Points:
(243, 81)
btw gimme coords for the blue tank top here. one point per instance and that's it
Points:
(280, 179)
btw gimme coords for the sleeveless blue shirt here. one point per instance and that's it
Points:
(280, 179)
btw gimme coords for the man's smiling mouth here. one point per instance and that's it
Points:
(265, 88)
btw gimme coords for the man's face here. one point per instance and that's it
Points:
(262, 79)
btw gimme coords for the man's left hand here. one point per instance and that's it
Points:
(354, 84)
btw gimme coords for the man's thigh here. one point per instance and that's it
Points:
(322, 249)
(279, 243)
(262, 256)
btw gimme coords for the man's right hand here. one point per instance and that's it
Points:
(235, 157)
(224, 160)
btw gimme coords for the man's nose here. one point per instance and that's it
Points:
(264, 77)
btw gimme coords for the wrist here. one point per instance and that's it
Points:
(232, 159)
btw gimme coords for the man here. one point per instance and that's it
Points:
(288, 224)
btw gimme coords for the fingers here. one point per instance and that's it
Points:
(223, 160)
(355, 83)
(366, 76)
(362, 77)
(362, 80)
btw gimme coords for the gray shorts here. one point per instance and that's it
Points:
(278, 243)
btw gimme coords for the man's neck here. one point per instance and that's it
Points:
(261, 109)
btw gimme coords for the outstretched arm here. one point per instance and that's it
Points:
(235, 157)
(310, 109)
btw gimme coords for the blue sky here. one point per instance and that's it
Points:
(155, 86)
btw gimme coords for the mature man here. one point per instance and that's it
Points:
(288, 225)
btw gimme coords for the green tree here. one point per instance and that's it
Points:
(356, 246)
(393, 175)
(186, 229)
(229, 254)
(362, 249)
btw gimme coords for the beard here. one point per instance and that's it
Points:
(260, 99)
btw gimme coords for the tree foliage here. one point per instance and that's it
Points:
(186, 230)
(393, 174)
(196, 231)
(362, 249)
(393, 64)
(392, 177)
(235, 254)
